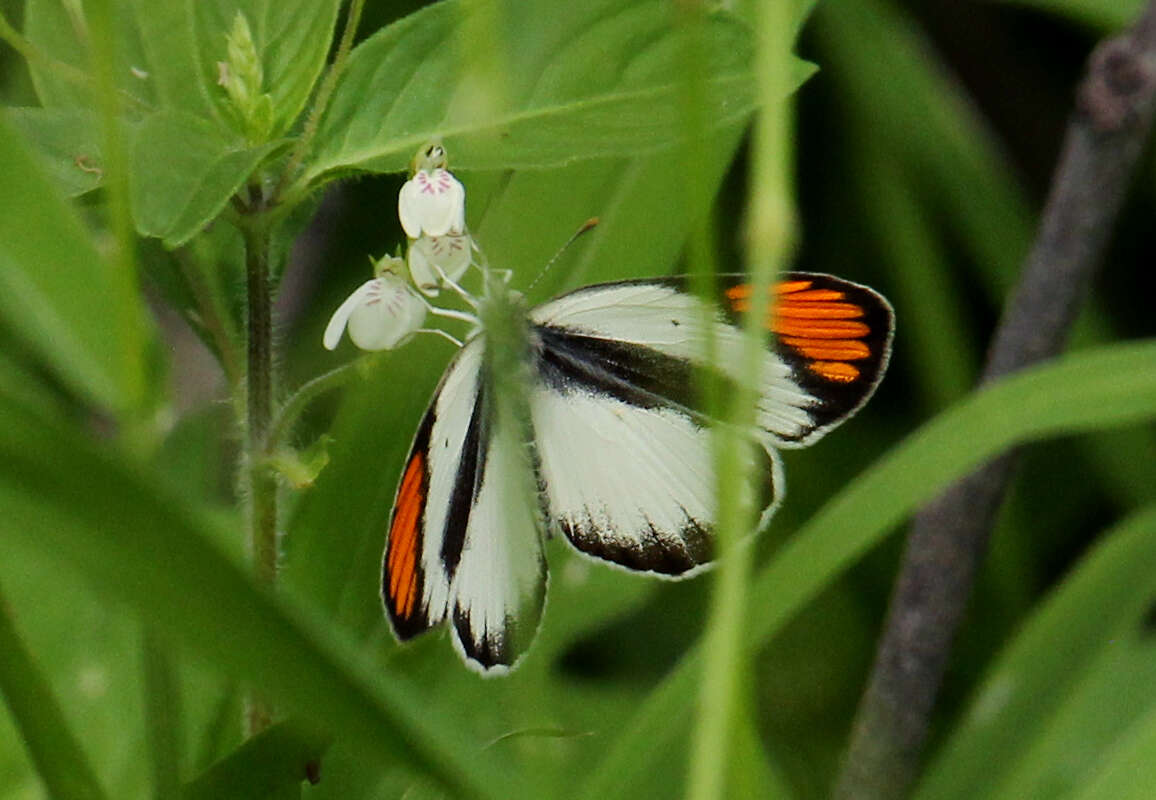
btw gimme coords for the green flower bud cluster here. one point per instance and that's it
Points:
(241, 75)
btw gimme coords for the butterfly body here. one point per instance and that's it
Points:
(582, 418)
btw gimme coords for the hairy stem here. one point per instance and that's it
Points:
(1112, 121)
(260, 481)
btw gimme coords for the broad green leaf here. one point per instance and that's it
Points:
(53, 747)
(169, 52)
(184, 172)
(586, 80)
(1081, 392)
(56, 291)
(753, 773)
(64, 79)
(134, 540)
(69, 141)
(1072, 642)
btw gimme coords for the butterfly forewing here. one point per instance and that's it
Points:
(465, 537)
(416, 577)
(829, 343)
(499, 583)
(621, 431)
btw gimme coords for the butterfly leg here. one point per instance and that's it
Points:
(457, 342)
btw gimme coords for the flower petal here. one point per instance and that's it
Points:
(341, 316)
(451, 253)
(387, 316)
(433, 204)
(409, 208)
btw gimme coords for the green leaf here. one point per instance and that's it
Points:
(587, 81)
(73, 499)
(56, 752)
(184, 172)
(68, 140)
(1022, 716)
(64, 78)
(1080, 392)
(56, 291)
(270, 762)
(168, 53)
(1128, 770)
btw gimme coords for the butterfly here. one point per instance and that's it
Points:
(581, 418)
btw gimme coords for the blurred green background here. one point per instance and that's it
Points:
(924, 145)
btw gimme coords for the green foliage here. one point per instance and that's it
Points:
(132, 632)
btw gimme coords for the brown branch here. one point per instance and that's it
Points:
(1105, 136)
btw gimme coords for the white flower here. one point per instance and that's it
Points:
(381, 314)
(450, 253)
(432, 202)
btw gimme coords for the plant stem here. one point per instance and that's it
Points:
(261, 483)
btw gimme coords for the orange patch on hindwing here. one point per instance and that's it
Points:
(401, 560)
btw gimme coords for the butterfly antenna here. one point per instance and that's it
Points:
(588, 225)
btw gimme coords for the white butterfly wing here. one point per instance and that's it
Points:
(415, 577)
(465, 537)
(623, 450)
(622, 434)
(499, 584)
(830, 341)
(634, 486)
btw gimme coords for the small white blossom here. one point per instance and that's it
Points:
(432, 202)
(380, 315)
(450, 253)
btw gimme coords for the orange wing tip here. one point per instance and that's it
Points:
(835, 371)
(819, 329)
(829, 349)
(743, 291)
(814, 295)
(790, 287)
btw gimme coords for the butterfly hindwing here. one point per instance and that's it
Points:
(627, 482)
